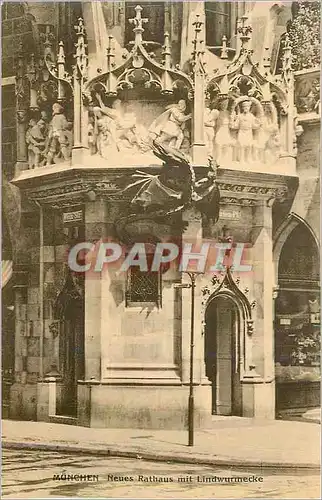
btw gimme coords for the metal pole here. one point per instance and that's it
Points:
(191, 387)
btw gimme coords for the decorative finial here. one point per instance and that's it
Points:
(81, 58)
(167, 51)
(244, 31)
(61, 53)
(267, 61)
(48, 38)
(61, 73)
(224, 51)
(138, 22)
(110, 53)
(287, 54)
(31, 69)
(80, 28)
(20, 62)
(198, 45)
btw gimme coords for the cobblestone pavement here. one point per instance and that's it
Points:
(29, 474)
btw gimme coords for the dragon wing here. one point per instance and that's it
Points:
(170, 156)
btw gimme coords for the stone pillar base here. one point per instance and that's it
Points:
(258, 398)
(79, 154)
(23, 401)
(142, 407)
(20, 166)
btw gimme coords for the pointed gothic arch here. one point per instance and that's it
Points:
(70, 309)
(297, 316)
(228, 288)
(228, 330)
(282, 234)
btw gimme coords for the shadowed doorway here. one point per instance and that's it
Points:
(222, 355)
(70, 310)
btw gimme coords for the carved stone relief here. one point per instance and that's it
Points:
(49, 141)
(121, 132)
(242, 130)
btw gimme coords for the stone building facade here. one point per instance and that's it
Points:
(102, 103)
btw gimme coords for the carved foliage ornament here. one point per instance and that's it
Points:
(225, 284)
(140, 67)
(252, 107)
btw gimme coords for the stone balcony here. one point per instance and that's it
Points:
(62, 185)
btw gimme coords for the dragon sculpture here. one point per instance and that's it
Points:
(159, 199)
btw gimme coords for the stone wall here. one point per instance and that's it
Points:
(16, 32)
(9, 137)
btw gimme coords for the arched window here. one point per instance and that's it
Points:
(299, 260)
(221, 20)
(297, 320)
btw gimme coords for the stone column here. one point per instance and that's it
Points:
(22, 153)
(95, 229)
(263, 337)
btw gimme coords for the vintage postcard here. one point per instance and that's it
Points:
(160, 249)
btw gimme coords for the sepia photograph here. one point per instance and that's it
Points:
(160, 247)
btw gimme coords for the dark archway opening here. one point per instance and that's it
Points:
(297, 324)
(222, 355)
(70, 310)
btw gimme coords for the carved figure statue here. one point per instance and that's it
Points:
(121, 126)
(169, 127)
(59, 141)
(267, 138)
(224, 141)
(104, 133)
(210, 119)
(158, 200)
(91, 135)
(245, 122)
(36, 141)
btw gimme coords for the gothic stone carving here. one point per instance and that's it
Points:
(51, 142)
(117, 134)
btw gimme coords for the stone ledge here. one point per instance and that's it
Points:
(106, 450)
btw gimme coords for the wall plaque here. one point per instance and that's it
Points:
(230, 214)
(74, 217)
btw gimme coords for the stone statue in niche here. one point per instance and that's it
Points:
(267, 138)
(298, 131)
(168, 129)
(224, 141)
(60, 137)
(36, 140)
(246, 123)
(91, 135)
(210, 119)
(103, 134)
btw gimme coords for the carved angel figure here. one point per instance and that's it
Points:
(168, 128)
